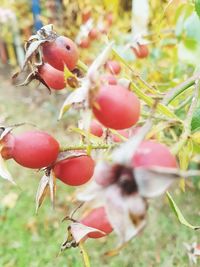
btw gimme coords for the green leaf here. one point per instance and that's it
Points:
(197, 7)
(150, 102)
(179, 214)
(195, 124)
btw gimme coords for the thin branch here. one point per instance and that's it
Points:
(85, 147)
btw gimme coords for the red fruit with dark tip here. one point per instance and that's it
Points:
(53, 78)
(75, 171)
(116, 107)
(152, 153)
(113, 66)
(96, 128)
(85, 43)
(141, 51)
(108, 79)
(98, 219)
(93, 34)
(35, 149)
(7, 143)
(62, 51)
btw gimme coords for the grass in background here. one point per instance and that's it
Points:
(30, 240)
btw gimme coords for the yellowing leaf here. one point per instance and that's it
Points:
(179, 214)
(196, 137)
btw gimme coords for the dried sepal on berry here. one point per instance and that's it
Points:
(4, 173)
(46, 184)
(77, 232)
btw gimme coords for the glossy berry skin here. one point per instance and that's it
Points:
(96, 128)
(152, 153)
(35, 149)
(93, 34)
(97, 218)
(113, 67)
(141, 51)
(7, 144)
(75, 171)
(116, 107)
(85, 43)
(53, 78)
(62, 51)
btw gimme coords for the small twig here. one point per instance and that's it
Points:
(84, 147)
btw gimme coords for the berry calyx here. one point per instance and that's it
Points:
(7, 146)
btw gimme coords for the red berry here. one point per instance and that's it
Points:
(62, 51)
(108, 79)
(35, 149)
(54, 78)
(116, 107)
(109, 18)
(85, 43)
(96, 128)
(97, 218)
(141, 51)
(113, 66)
(7, 144)
(86, 15)
(75, 171)
(93, 34)
(152, 153)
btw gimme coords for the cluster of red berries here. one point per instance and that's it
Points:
(37, 149)
(113, 105)
(95, 32)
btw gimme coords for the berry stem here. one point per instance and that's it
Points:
(85, 147)
(82, 66)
